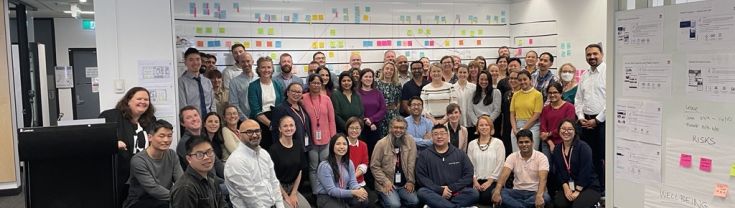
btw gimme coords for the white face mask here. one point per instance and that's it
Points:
(567, 76)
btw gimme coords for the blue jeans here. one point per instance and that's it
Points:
(317, 154)
(466, 197)
(535, 129)
(520, 198)
(399, 197)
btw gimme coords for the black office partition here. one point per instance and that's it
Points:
(69, 166)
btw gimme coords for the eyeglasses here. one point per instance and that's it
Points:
(355, 128)
(315, 83)
(251, 132)
(295, 91)
(200, 155)
(567, 129)
(513, 78)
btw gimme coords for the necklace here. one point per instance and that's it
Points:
(485, 146)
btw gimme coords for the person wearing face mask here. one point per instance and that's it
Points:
(566, 73)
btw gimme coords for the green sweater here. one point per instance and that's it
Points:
(344, 109)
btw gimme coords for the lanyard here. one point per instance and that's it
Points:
(299, 114)
(567, 160)
(317, 110)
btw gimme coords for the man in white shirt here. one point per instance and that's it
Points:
(589, 104)
(389, 55)
(355, 60)
(237, 68)
(249, 174)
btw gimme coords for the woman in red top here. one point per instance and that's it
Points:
(323, 126)
(551, 116)
(358, 149)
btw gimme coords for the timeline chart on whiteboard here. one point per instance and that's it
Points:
(647, 75)
(638, 120)
(637, 162)
(707, 25)
(711, 76)
(640, 31)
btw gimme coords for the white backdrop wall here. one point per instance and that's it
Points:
(69, 34)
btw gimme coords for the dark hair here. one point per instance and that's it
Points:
(213, 74)
(311, 78)
(362, 74)
(352, 120)
(260, 61)
(502, 47)
(524, 72)
(574, 124)
(158, 124)
(453, 106)
(203, 55)
(415, 98)
(289, 87)
(212, 56)
(556, 85)
(191, 51)
(488, 91)
(194, 141)
(146, 119)
(329, 84)
(484, 62)
(446, 57)
(416, 62)
(532, 51)
(313, 57)
(514, 59)
(439, 126)
(186, 108)
(502, 57)
(232, 48)
(332, 158)
(594, 45)
(524, 133)
(342, 75)
(551, 57)
(219, 130)
(313, 62)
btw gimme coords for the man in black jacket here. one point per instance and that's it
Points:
(445, 173)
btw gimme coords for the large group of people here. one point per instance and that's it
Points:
(408, 134)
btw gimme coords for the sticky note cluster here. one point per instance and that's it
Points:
(317, 44)
(404, 43)
(383, 43)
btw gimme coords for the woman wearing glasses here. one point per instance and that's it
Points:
(573, 164)
(323, 126)
(294, 108)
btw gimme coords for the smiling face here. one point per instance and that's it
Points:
(484, 126)
(295, 92)
(216, 83)
(266, 69)
(544, 62)
(321, 59)
(567, 131)
(139, 103)
(463, 73)
(402, 64)
(531, 58)
(161, 139)
(192, 120)
(553, 93)
(454, 115)
(315, 85)
(525, 144)
(417, 70)
(212, 124)
(231, 115)
(436, 73)
(594, 56)
(524, 81)
(389, 56)
(388, 71)
(513, 79)
(367, 79)
(287, 127)
(286, 64)
(440, 137)
(494, 73)
(324, 74)
(416, 107)
(340, 146)
(206, 163)
(354, 130)
(355, 61)
(397, 129)
(447, 64)
(503, 64)
(483, 80)
(345, 83)
(193, 62)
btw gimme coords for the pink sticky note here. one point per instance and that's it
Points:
(410, 43)
(721, 190)
(387, 43)
(530, 41)
(685, 160)
(431, 43)
(705, 164)
(518, 52)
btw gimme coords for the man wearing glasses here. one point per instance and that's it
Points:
(198, 186)
(249, 174)
(412, 88)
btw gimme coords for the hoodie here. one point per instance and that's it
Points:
(452, 168)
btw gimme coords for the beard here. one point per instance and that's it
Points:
(398, 140)
(286, 69)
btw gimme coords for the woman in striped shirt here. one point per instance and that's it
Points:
(436, 96)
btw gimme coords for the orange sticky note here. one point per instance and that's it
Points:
(479, 42)
(269, 44)
(200, 43)
(259, 44)
(461, 42)
(721, 190)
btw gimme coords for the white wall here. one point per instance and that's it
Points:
(69, 34)
(579, 22)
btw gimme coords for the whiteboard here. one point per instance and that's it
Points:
(338, 28)
(697, 115)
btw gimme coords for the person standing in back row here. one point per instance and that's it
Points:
(589, 105)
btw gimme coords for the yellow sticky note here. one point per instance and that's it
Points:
(721, 190)
(428, 31)
(315, 45)
(409, 32)
(463, 32)
(331, 54)
(421, 31)
(732, 170)
(221, 30)
(271, 31)
(480, 32)
(519, 42)
(246, 44)
(341, 44)
(332, 32)
(273, 56)
(321, 44)
(306, 68)
(365, 17)
(472, 33)
(446, 42)
(200, 30)
(332, 44)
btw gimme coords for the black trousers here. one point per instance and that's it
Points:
(596, 139)
(586, 199)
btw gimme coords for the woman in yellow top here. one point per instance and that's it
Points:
(525, 109)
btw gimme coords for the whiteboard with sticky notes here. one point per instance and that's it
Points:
(696, 163)
(430, 28)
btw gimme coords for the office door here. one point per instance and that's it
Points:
(86, 101)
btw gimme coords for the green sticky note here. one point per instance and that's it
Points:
(221, 30)
(732, 170)
(428, 32)
(341, 44)
(273, 56)
(472, 33)
(480, 32)
(332, 44)
(421, 31)
(409, 32)
(208, 30)
(260, 31)
(270, 31)
(332, 32)
(200, 30)
(463, 32)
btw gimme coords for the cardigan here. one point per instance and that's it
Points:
(322, 118)
(303, 127)
(582, 171)
(255, 97)
(344, 109)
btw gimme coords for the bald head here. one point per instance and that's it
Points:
(250, 133)
(355, 60)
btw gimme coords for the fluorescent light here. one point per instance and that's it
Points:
(80, 12)
(82, 1)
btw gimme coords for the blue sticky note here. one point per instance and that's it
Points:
(398, 43)
(210, 43)
(444, 18)
(308, 18)
(367, 43)
(295, 17)
(334, 10)
(502, 13)
(216, 6)
(436, 18)
(278, 44)
(403, 18)
(357, 9)
(192, 8)
(426, 43)
(223, 14)
(257, 15)
(367, 9)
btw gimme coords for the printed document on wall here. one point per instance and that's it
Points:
(637, 162)
(157, 77)
(638, 120)
(706, 25)
(711, 76)
(640, 31)
(647, 75)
